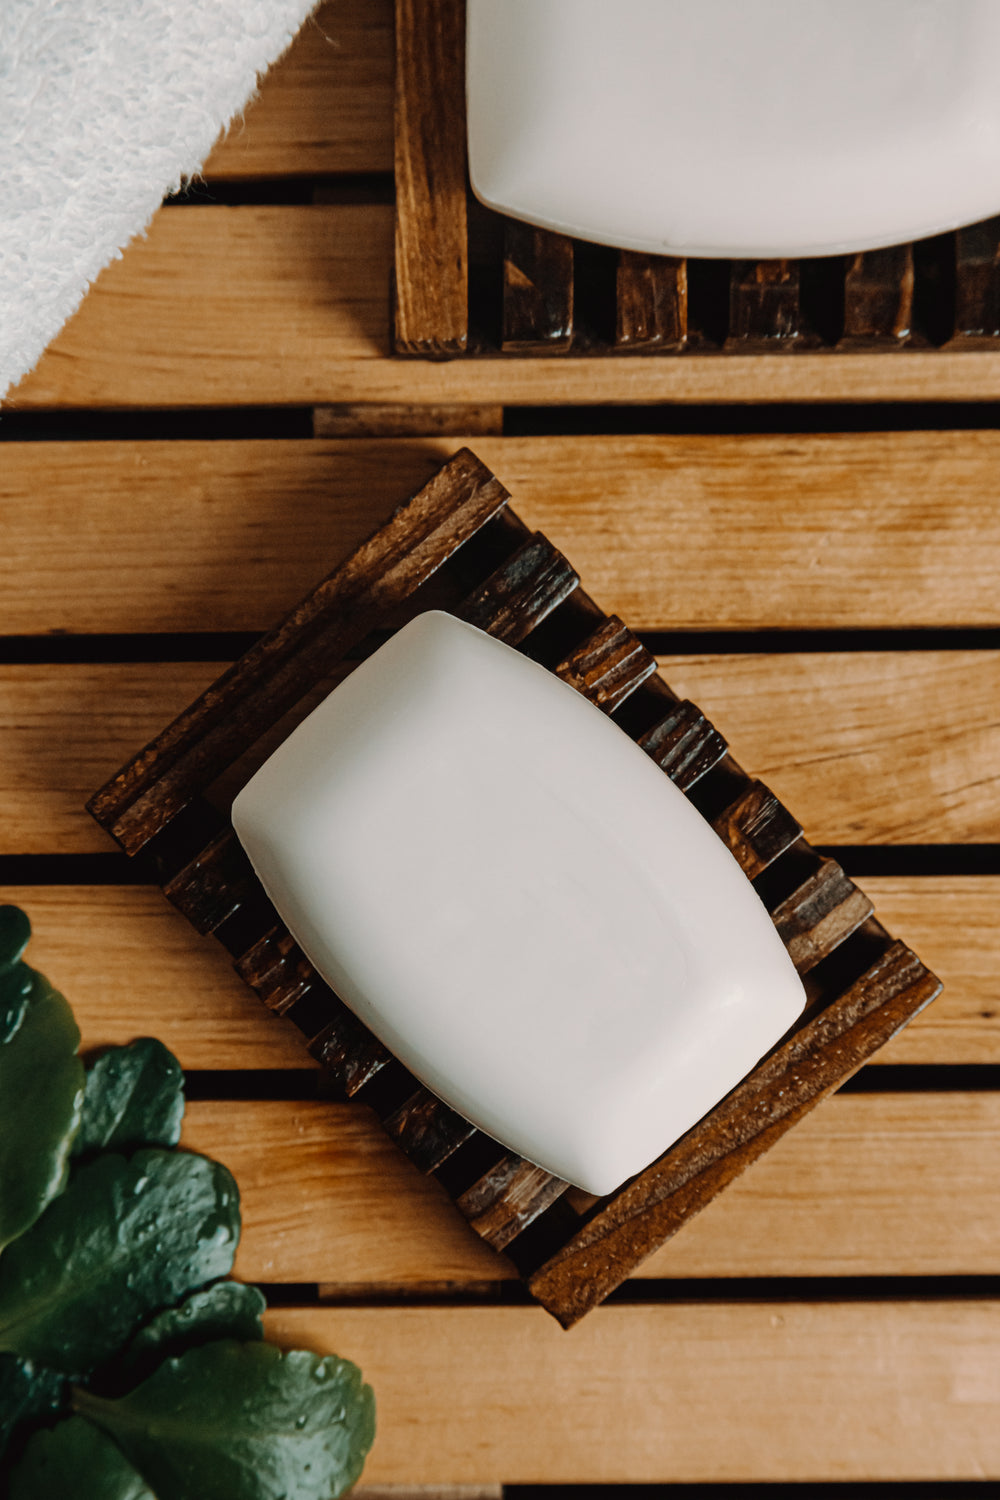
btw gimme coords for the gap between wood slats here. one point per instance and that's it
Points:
(877, 1186)
(909, 862)
(288, 305)
(190, 646)
(381, 420)
(678, 1393)
(720, 533)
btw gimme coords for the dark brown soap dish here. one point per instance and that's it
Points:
(469, 281)
(457, 545)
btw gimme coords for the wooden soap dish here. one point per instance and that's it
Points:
(457, 545)
(469, 281)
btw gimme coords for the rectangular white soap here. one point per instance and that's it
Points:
(518, 902)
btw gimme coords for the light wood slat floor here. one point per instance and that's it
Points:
(95, 942)
(745, 532)
(289, 305)
(865, 747)
(326, 105)
(869, 1185)
(817, 1322)
(766, 1391)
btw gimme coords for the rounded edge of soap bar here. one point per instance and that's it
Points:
(896, 182)
(594, 1163)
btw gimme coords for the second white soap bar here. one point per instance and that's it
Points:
(518, 902)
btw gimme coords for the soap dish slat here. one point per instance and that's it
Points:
(862, 986)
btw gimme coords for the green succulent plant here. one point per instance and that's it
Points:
(129, 1366)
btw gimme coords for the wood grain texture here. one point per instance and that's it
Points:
(764, 310)
(850, 737)
(843, 739)
(289, 305)
(977, 284)
(431, 270)
(131, 966)
(869, 1185)
(761, 1391)
(537, 290)
(275, 673)
(737, 532)
(651, 302)
(325, 107)
(393, 420)
(608, 666)
(521, 593)
(878, 299)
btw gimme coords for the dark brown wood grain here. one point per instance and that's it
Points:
(878, 299)
(977, 283)
(764, 307)
(820, 915)
(215, 884)
(651, 302)
(507, 1198)
(819, 1055)
(756, 828)
(348, 1049)
(278, 970)
(431, 246)
(684, 744)
(148, 792)
(522, 592)
(537, 290)
(427, 1129)
(608, 666)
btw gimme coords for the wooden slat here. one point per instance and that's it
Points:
(325, 107)
(744, 532)
(427, 1130)
(431, 244)
(393, 420)
(977, 283)
(132, 966)
(275, 673)
(868, 1185)
(522, 592)
(95, 943)
(651, 302)
(851, 744)
(290, 305)
(759, 1391)
(845, 741)
(509, 1197)
(608, 666)
(684, 744)
(756, 828)
(537, 290)
(878, 299)
(764, 306)
(818, 916)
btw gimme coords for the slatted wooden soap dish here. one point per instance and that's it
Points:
(469, 281)
(457, 545)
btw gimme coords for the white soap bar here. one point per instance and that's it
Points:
(518, 902)
(722, 128)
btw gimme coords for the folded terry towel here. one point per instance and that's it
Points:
(105, 106)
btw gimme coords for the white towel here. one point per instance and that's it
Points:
(106, 106)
